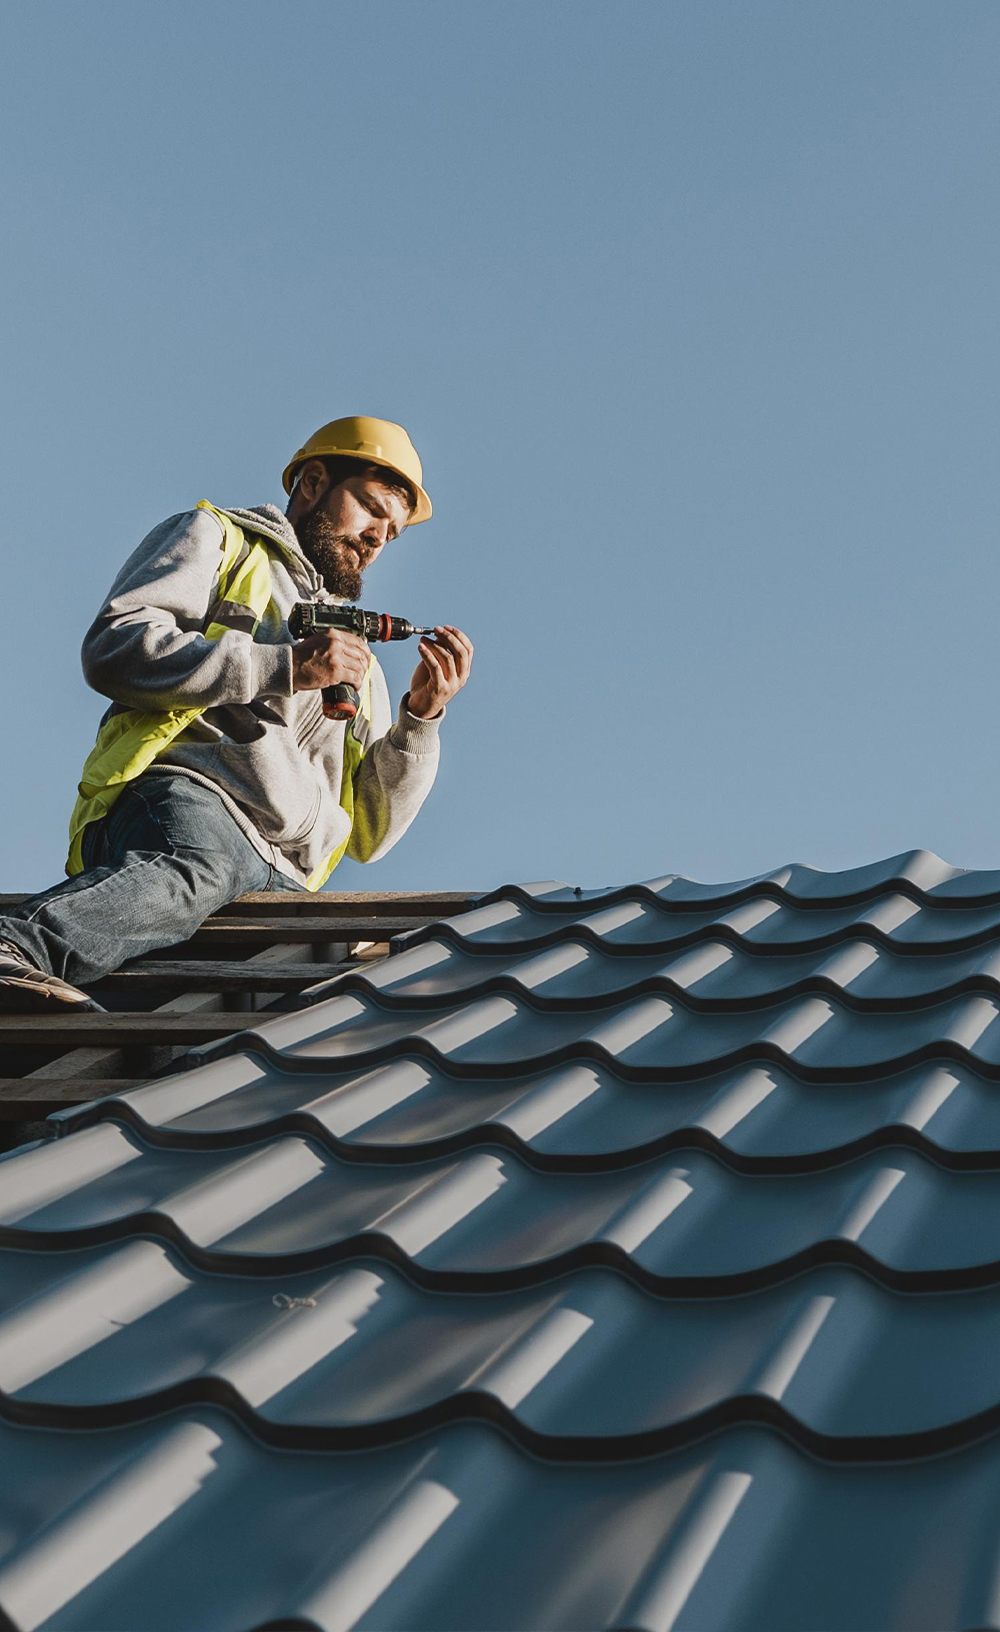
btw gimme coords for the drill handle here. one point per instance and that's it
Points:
(340, 702)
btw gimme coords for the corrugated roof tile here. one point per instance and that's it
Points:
(624, 1258)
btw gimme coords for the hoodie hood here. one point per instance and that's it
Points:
(275, 525)
(268, 519)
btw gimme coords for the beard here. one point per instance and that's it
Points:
(332, 555)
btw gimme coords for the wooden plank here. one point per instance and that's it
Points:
(258, 931)
(268, 927)
(119, 1030)
(237, 975)
(210, 975)
(23, 1099)
(434, 903)
(30, 1099)
(54, 1087)
(382, 898)
(87, 1066)
(96, 1062)
(69, 1090)
(418, 903)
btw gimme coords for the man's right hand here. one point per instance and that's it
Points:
(333, 658)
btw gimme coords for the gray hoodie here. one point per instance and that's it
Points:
(270, 752)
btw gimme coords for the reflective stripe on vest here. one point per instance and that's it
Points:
(129, 742)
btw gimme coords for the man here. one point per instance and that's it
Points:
(215, 769)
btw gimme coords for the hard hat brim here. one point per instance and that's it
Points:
(423, 509)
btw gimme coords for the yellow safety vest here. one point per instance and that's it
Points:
(129, 742)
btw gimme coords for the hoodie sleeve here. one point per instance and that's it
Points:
(394, 777)
(146, 648)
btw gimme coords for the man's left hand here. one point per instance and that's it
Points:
(444, 667)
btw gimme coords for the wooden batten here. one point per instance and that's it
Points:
(264, 949)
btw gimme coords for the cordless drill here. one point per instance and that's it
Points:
(341, 702)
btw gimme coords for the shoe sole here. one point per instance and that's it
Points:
(33, 997)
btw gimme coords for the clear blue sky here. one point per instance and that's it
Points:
(692, 311)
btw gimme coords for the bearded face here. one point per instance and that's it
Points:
(339, 558)
(347, 524)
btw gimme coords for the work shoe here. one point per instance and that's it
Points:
(24, 989)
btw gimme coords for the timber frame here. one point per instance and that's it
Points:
(261, 951)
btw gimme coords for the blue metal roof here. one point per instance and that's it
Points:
(608, 1259)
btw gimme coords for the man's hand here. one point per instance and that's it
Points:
(333, 658)
(443, 670)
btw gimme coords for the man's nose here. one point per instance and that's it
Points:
(376, 532)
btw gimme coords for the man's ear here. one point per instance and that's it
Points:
(313, 481)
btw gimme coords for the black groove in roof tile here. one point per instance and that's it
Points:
(485, 1221)
(572, 1118)
(714, 978)
(630, 927)
(586, 1367)
(919, 871)
(648, 1040)
(461, 1531)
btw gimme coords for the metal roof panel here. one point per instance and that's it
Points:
(621, 1258)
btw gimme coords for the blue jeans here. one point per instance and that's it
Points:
(167, 854)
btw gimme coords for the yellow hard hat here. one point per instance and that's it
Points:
(377, 442)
